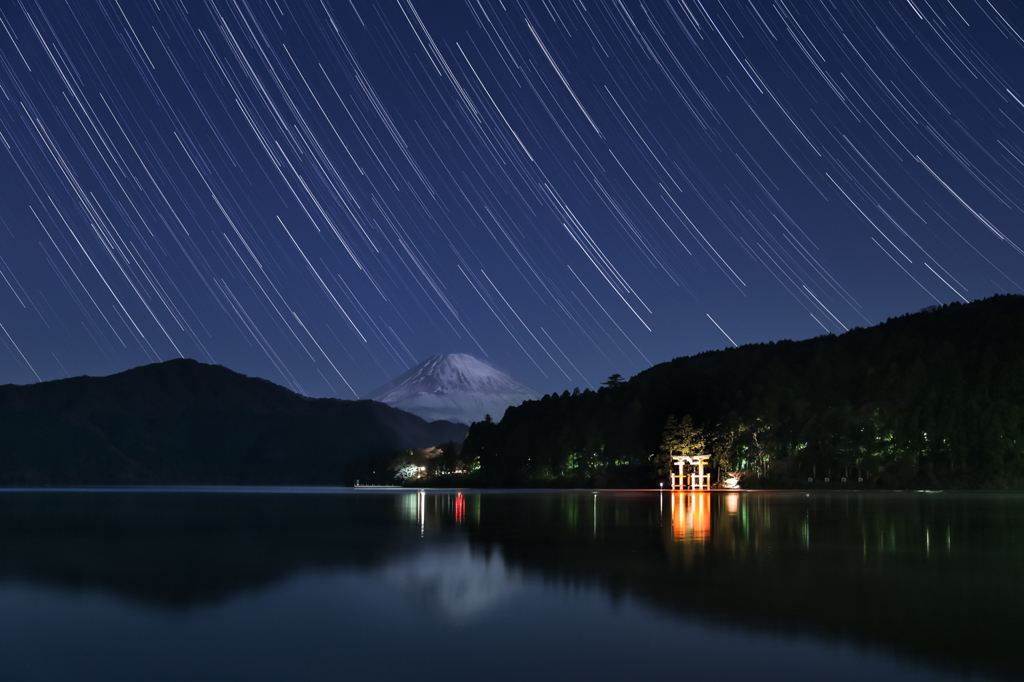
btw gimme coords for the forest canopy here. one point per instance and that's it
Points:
(928, 399)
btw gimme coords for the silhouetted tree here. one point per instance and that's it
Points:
(680, 437)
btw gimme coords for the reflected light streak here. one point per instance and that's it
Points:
(421, 511)
(691, 517)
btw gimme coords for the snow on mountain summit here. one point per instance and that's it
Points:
(455, 387)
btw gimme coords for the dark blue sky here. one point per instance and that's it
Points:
(323, 194)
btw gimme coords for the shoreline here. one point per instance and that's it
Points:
(329, 490)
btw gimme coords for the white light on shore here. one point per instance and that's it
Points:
(731, 481)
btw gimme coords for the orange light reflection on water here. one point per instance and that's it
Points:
(691, 517)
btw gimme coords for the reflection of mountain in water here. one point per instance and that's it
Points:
(182, 549)
(933, 577)
(453, 579)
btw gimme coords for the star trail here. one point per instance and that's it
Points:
(324, 193)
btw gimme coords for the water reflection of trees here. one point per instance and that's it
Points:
(180, 549)
(931, 576)
(905, 572)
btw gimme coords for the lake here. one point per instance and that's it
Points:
(330, 584)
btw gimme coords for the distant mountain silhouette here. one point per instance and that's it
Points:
(456, 387)
(184, 422)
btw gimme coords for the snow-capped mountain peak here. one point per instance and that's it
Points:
(455, 387)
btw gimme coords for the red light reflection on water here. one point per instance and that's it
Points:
(691, 517)
(460, 507)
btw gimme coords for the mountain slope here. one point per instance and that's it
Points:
(188, 423)
(933, 399)
(455, 387)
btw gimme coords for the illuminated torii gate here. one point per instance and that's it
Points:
(699, 480)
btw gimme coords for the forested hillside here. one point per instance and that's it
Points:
(928, 399)
(184, 422)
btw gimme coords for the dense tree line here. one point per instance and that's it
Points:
(926, 399)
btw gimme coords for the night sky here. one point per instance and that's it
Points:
(326, 193)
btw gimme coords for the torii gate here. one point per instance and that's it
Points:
(698, 481)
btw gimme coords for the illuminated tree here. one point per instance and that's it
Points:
(680, 437)
(406, 471)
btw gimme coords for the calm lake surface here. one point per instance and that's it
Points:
(335, 584)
